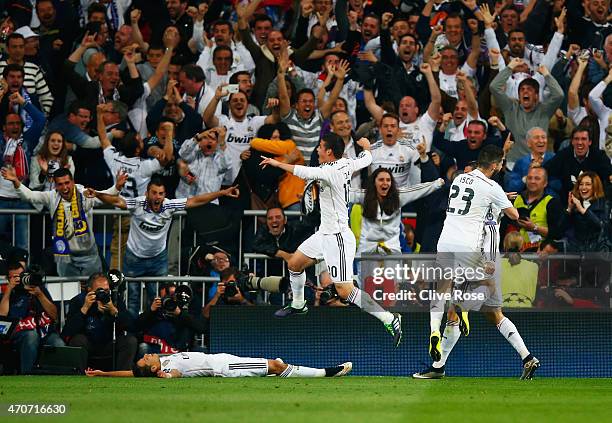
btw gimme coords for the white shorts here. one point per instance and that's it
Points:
(465, 265)
(338, 251)
(227, 365)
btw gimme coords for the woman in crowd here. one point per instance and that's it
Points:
(587, 213)
(53, 155)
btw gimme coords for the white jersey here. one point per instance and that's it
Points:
(471, 198)
(421, 128)
(139, 171)
(197, 364)
(335, 182)
(238, 138)
(399, 158)
(148, 229)
(491, 237)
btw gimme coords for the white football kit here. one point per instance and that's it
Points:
(139, 171)
(399, 158)
(334, 241)
(194, 364)
(471, 198)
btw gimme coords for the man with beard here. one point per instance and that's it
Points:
(146, 253)
(528, 111)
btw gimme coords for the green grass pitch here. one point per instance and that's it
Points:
(341, 400)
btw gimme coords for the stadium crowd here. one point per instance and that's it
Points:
(156, 106)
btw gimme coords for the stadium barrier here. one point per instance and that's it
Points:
(568, 344)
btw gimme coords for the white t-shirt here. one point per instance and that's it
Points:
(421, 128)
(398, 158)
(335, 182)
(139, 171)
(238, 138)
(189, 364)
(471, 198)
(448, 83)
(149, 230)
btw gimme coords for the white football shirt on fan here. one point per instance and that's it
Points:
(335, 182)
(399, 158)
(472, 195)
(238, 138)
(139, 171)
(421, 128)
(148, 229)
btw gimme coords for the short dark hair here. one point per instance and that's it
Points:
(234, 78)
(268, 129)
(94, 276)
(223, 22)
(390, 115)
(128, 144)
(156, 180)
(334, 143)
(260, 18)
(96, 8)
(13, 67)
(530, 82)
(305, 91)
(512, 31)
(77, 105)
(452, 15)
(14, 36)
(94, 27)
(478, 122)
(373, 16)
(13, 265)
(490, 154)
(331, 117)
(144, 371)
(411, 36)
(61, 172)
(580, 129)
(164, 119)
(219, 49)
(274, 207)
(156, 46)
(226, 273)
(193, 72)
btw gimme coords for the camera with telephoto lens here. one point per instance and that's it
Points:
(181, 299)
(103, 295)
(31, 277)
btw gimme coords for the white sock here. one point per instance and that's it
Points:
(363, 300)
(435, 320)
(302, 371)
(298, 280)
(507, 328)
(449, 339)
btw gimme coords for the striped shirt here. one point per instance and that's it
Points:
(148, 229)
(306, 133)
(208, 170)
(34, 82)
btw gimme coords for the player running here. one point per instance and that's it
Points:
(197, 364)
(334, 241)
(491, 307)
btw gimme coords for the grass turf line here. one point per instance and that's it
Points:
(352, 399)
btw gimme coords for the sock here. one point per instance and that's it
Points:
(302, 371)
(507, 328)
(363, 300)
(435, 320)
(298, 280)
(449, 339)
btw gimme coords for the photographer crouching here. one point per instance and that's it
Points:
(167, 326)
(28, 300)
(94, 321)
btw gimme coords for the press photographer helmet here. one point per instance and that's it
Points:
(33, 276)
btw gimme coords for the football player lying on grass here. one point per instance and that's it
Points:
(194, 364)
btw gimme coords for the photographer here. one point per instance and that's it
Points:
(90, 321)
(167, 326)
(228, 292)
(27, 300)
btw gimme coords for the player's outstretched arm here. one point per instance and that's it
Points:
(117, 373)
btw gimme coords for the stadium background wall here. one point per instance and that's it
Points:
(569, 344)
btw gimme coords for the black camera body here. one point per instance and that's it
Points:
(32, 277)
(231, 289)
(181, 299)
(103, 296)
